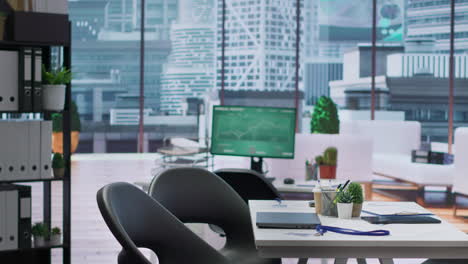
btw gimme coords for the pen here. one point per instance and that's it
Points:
(346, 184)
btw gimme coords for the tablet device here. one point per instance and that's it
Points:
(287, 220)
(401, 219)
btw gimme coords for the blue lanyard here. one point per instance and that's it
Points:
(323, 229)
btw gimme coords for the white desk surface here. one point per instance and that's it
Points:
(302, 186)
(406, 241)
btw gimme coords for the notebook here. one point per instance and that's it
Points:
(401, 219)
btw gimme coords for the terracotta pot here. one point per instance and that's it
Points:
(59, 172)
(327, 172)
(57, 141)
(357, 209)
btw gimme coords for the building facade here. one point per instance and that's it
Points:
(191, 67)
(431, 19)
(260, 44)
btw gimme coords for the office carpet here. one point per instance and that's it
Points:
(92, 243)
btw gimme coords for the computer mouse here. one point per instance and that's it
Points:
(288, 181)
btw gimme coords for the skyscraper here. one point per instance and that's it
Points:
(190, 70)
(431, 19)
(260, 44)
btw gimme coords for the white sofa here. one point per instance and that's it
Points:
(354, 157)
(393, 143)
(460, 183)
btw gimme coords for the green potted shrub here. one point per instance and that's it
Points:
(325, 118)
(57, 129)
(344, 201)
(40, 233)
(3, 17)
(54, 88)
(55, 236)
(355, 189)
(58, 165)
(327, 163)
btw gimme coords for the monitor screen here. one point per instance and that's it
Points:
(253, 131)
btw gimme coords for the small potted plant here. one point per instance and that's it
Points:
(55, 237)
(58, 165)
(40, 232)
(344, 201)
(3, 17)
(355, 189)
(54, 88)
(57, 129)
(327, 163)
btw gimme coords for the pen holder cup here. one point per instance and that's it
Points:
(328, 205)
(310, 173)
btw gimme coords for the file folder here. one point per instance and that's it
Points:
(11, 220)
(34, 152)
(6, 139)
(2, 220)
(46, 149)
(37, 80)
(9, 80)
(24, 223)
(25, 80)
(20, 139)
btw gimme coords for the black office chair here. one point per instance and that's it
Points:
(196, 195)
(138, 221)
(249, 184)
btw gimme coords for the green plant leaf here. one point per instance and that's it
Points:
(325, 118)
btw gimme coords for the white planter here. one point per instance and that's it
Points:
(53, 97)
(345, 210)
(39, 241)
(55, 240)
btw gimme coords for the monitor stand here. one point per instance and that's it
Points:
(256, 164)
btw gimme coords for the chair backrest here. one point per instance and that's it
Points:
(249, 184)
(138, 221)
(196, 195)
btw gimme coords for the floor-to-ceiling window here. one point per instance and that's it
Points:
(186, 53)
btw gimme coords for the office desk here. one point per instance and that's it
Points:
(306, 187)
(406, 241)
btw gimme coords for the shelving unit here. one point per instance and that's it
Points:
(43, 254)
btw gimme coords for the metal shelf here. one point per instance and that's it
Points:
(33, 180)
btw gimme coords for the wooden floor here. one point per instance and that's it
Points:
(92, 243)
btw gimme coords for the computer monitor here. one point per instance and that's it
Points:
(256, 132)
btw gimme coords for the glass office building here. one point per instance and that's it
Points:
(260, 44)
(191, 67)
(431, 19)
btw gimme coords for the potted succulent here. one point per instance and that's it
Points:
(58, 165)
(55, 237)
(355, 189)
(57, 128)
(54, 88)
(327, 163)
(3, 17)
(40, 232)
(344, 201)
(325, 118)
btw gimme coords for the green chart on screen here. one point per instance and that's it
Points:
(253, 131)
